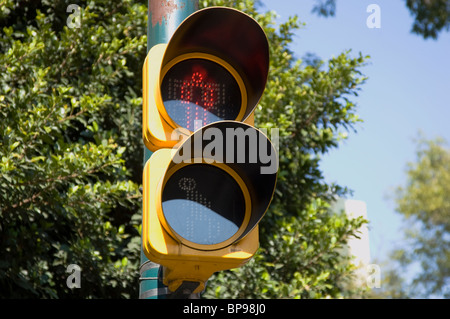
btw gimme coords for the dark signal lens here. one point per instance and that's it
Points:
(203, 204)
(197, 92)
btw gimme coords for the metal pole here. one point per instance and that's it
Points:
(164, 16)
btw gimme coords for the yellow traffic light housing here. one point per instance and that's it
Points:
(204, 200)
(204, 196)
(214, 68)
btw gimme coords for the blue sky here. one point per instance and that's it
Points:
(408, 90)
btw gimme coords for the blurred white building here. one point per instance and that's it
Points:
(358, 248)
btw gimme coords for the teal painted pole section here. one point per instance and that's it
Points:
(164, 16)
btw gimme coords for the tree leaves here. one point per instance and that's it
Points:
(431, 17)
(425, 205)
(64, 173)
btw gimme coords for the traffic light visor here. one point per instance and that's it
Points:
(214, 192)
(214, 68)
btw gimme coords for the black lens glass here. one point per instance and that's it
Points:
(203, 204)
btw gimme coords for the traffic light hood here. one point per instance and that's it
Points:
(240, 150)
(231, 36)
(214, 68)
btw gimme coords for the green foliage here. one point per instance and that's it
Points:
(301, 258)
(425, 205)
(430, 17)
(69, 135)
(71, 156)
(325, 8)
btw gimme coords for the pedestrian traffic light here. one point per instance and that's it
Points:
(213, 68)
(203, 201)
(212, 175)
